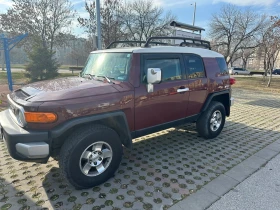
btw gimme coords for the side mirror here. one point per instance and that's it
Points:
(153, 75)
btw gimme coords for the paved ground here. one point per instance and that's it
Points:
(161, 170)
(260, 191)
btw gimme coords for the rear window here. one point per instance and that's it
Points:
(194, 65)
(223, 65)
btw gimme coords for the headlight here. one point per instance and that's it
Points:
(20, 117)
(17, 112)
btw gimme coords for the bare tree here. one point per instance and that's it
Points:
(135, 20)
(110, 24)
(89, 24)
(246, 50)
(231, 27)
(80, 49)
(46, 19)
(142, 19)
(271, 46)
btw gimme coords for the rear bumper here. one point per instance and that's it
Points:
(22, 144)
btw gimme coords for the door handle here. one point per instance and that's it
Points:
(182, 90)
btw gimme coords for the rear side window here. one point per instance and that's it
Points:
(195, 67)
(170, 68)
(223, 65)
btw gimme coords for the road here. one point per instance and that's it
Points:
(254, 75)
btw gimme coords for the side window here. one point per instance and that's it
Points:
(223, 65)
(194, 66)
(170, 68)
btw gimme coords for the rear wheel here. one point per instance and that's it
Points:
(211, 122)
(90, 156)
(236, 73)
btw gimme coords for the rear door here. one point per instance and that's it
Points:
(169, 100)
(197, 83)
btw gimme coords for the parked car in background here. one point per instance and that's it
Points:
(241, 71)
(276, 71)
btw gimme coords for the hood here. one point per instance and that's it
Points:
(62, 89)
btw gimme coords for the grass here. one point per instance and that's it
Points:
(18, 66)
(19, 78)
(258, 83)
(22, 66)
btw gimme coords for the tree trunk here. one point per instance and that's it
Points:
(270, 77)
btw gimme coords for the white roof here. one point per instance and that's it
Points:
(205, 53)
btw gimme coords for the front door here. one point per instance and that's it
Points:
(168, 102)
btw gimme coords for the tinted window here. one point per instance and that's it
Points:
(223, 65)
(170, 68)
(194, 65)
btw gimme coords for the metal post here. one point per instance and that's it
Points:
(97, 4)
(8, 65)
(2, 60)
(194, 13)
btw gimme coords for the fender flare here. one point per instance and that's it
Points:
(115, 120)
(212, 95)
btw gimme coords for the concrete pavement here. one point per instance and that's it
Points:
(252, 184)
(260, 191)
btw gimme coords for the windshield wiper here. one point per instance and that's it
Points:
(89, 75)
(107, 78)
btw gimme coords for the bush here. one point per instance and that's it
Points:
(42, 64)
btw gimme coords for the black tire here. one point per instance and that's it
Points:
(236, 73)
(77, 143)
(203, 122)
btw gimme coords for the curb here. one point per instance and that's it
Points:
(218, 187)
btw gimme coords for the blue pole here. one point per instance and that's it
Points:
(8, 64)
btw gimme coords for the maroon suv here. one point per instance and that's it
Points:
(121, 94)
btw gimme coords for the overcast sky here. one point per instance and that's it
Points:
(183, 9)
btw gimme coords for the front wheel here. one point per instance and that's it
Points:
(236, 73)
(90, 156)
(211, 122)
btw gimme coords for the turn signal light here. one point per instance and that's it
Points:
(232, 81)
(40, 117)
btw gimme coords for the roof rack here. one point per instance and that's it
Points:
(187, 42)
(129, 42)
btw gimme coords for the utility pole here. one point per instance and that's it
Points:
(194, 12)
(2, 60)
(97, 4)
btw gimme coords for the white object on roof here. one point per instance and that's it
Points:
(205, 53)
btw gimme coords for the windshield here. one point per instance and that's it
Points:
(112, 65)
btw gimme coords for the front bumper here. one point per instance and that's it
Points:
(22, 144)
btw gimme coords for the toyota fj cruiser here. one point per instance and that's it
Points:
(121, 94)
